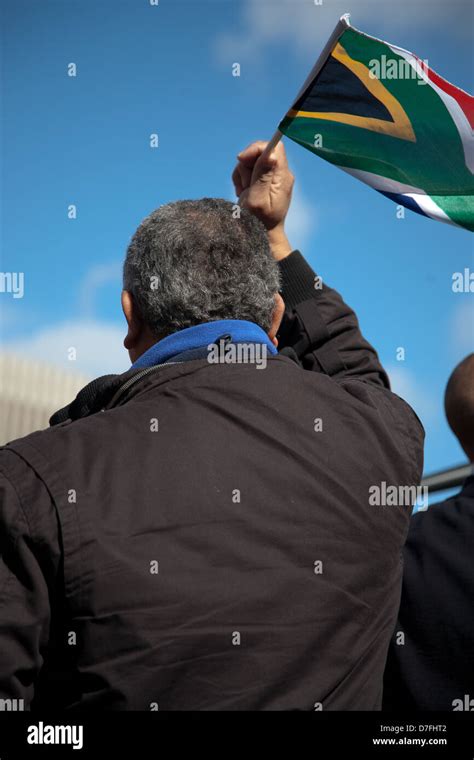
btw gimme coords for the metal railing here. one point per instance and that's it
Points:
(451, 478)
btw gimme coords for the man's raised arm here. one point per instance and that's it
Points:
(318, 326)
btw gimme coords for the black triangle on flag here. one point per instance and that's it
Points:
(336, 89)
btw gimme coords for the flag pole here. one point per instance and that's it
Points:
(273, 142)
(341, 26)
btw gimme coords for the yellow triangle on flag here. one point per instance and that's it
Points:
(400, 126)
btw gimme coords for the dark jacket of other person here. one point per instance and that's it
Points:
(432, 666)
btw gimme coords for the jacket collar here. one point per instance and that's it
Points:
(174, 350)
(200, 336)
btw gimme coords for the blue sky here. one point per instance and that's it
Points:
(167, 69)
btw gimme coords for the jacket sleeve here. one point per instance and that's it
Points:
(29, 561)
(321, 329)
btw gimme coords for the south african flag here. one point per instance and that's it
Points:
(381, 114)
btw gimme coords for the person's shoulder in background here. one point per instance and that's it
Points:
(426, 666)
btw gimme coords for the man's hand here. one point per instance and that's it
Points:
(264, 184)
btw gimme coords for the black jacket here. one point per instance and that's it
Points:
(229, 560)
(432, 668)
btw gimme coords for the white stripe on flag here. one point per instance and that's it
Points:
(386, 185)
(427, 204)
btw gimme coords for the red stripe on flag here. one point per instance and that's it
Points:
(465, 101)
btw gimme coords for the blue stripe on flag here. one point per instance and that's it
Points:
(405, 200)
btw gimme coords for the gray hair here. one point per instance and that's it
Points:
(200, 261)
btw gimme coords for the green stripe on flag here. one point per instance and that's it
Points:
(459, 208)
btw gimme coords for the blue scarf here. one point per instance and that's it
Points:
(199, 337)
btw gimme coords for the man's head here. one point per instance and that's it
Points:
(459, 404)
(198, 261)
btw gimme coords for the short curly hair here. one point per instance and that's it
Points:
(198, 261)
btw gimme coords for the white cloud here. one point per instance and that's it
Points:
(301, 221)
(98, 345)
(305, 26)
(12, 313)
(406, 385)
